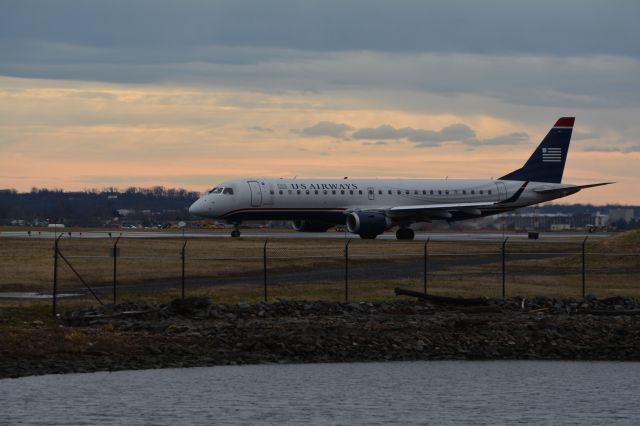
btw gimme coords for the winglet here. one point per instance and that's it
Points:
(565, 122)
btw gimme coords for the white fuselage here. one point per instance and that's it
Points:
(330, 200)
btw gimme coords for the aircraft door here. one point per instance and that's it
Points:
(371, 192)
(267, 192)
(502, 191)
(256, 194)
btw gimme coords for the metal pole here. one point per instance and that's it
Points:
(55, 274)
(264, 263)
(346, 271)
(184, 252)
(584, 276)
(115, 268)
(426, 258)
(504, 258)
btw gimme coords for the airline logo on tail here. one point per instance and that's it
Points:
(551, 155)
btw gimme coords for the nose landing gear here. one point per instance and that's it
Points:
(236, 230)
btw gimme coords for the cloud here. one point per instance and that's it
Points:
(578, 135)
(510, 139)
(423, 138)
(324, 128)
(454, 132)
(559, 28)
(619, 149)
(261, 129)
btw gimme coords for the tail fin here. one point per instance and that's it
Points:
(546, 164)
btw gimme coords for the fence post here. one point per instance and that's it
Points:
(184, 255)
(346, 271)
(426, 243)
(115, 267)
(504, 258)
(264, 263)
(55, 274)
(584, 275)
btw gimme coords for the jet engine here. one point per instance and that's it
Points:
(309, 226)
(367, 224)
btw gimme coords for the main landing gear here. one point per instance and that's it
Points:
(405, 234)
(236, 230)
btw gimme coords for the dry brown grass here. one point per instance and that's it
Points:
(27, 264)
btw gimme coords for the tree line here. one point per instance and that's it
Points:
(93, 207)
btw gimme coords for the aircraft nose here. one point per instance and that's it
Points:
(198, 208)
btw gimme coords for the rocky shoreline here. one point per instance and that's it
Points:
(195, 332)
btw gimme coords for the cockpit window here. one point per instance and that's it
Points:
(217, 190)
(228, 191)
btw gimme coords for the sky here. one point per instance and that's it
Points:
(188, 93)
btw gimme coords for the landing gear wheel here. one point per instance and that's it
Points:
(235, 233)
(405, 234)
(368, 236)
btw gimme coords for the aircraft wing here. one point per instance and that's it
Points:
(569, 189)
(438, 211)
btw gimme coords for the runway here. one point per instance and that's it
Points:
(275, 234)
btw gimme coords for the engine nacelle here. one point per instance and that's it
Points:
(309, 226)
(367, 224)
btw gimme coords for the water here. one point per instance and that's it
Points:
(439, 393)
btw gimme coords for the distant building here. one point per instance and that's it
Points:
(534, 221)
(625, 214)
(600, 220)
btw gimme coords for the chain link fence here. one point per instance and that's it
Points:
(71, 268)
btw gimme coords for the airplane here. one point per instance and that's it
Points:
(369, 207)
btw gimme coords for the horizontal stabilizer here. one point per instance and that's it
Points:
(572, 188)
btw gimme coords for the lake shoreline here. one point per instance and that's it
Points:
(197, 333)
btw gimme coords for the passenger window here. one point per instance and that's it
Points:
(464, 192)
(379, 192)
(360, 191)
(481, 191)
(439, 192)
(415, 192)
(371, 192)
(407, 192)
(489, 192)
(316, 191)
(342, 191)
(399, 192)
(424, 192)
(307, 192)
(333, 191)
(473, 191)
(351, 192)
(446, 192)
(298, 191)
(280, 192)
(271, 192)
(431, 192)
(324, 192)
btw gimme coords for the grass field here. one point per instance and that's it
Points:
(230, 270)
